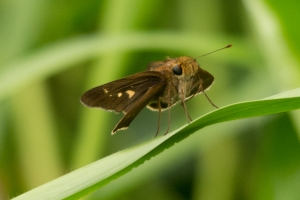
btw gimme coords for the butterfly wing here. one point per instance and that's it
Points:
(137, 106)
(129, 94)
(201, 81)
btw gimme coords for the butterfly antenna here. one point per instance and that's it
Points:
(228, 46)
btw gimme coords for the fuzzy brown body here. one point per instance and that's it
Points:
(185, 85)
(161, 86)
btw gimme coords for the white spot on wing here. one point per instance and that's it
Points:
(105, 90)
(119, 94)
(130, 93)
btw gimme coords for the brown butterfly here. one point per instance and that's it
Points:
(161, 86)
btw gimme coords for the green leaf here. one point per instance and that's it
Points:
(93, 176)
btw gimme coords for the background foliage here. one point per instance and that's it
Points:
(52, 51)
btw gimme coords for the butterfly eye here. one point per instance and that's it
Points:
(177, 69)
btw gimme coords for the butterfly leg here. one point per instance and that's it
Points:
(159, 117)
(169, 110)
(184, 107)
(201, 89)
(209, 99)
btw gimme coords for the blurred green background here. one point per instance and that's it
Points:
(52, 51)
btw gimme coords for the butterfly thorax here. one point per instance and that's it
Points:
(180, 74)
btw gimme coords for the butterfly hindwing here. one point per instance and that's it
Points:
(138, 105)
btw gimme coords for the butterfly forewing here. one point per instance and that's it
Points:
(119, 95)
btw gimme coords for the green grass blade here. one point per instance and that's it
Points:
(91, 177)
